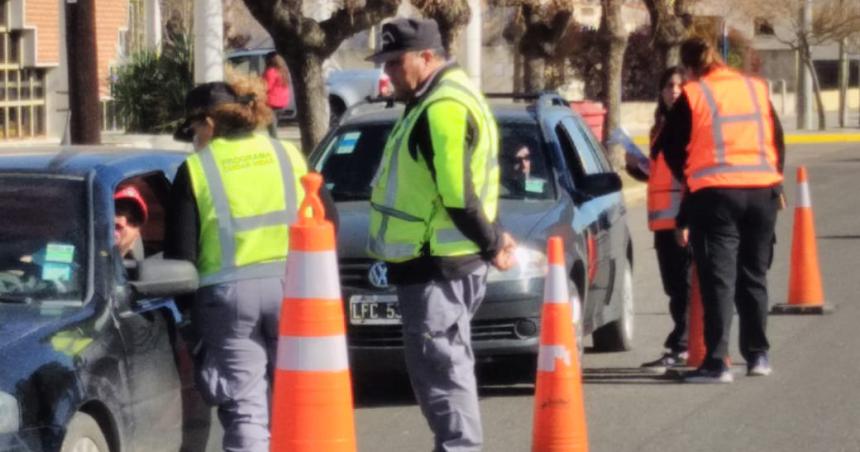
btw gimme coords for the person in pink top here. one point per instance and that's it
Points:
(277, 87)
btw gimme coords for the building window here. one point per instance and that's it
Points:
(22, 90)
(763, 27)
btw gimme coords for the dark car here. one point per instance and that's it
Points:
(91, 355)
(570, 191)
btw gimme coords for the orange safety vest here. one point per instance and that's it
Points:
(664, 195)
(731, 141)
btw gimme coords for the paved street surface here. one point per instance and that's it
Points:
(811, 402)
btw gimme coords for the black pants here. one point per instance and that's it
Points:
(732, 232)
(675, 272)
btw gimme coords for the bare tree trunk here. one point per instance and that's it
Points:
(534, 79)
(518, 73)
(308, 86)
(843, 84)
(673, 56)
(816, 87)
(615, 41)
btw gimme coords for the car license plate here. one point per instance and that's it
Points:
(374, 310)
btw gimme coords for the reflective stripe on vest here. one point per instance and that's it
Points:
(228, 226)
(670, 212)
(402, 130)
(698, 173)
(664, 195)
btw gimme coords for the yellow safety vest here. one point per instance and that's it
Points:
(247, 191)
(407, 209)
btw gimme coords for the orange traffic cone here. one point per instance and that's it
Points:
(805, 295)
(312, 401)
(696, 349)
(559, 414)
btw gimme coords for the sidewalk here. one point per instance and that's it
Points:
(832, 134)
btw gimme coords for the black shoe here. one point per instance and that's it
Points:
(759, 366)
(667, 361)
(704, 375)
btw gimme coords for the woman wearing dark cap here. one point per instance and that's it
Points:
(727, 145)
(231, 206)
(664, 201)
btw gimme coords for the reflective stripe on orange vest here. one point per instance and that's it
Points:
(664, 195)
(731, 142)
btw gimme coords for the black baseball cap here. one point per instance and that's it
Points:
(200, 100)
(406, 35)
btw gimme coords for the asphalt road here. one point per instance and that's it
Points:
(810, 403)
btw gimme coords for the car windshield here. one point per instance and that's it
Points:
(43, 238)
(351, 156)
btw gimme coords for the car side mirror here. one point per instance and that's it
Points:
(164, 278)
(594, 185)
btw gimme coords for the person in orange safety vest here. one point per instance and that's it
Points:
(664, 202)
(727, 146)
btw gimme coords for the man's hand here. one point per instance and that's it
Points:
(506, 258)
(682, 237)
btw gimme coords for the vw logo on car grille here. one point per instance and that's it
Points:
(378, 275)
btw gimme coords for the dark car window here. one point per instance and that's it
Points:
(574, 164)
(351, 158)
(594, 145)
(589, 162)
(43, 238)
(525, 173)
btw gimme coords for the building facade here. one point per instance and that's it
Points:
(33, 69)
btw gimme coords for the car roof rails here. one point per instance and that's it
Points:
(542, 101)
(368, 104)
(546, 98)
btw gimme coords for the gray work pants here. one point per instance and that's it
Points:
(439, 357)
(238, 325)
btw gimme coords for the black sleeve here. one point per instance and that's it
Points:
(676, 135)
(636, 173)
(470, 220)
(778, 139)
(182, 222)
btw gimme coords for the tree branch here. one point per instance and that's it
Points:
(346, 22)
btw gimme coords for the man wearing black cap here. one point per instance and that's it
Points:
(434, 206)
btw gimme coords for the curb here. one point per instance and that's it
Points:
(794, 138)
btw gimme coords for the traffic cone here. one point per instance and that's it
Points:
(559, 413)
(312, 401)
(696, 349)
(805, 294)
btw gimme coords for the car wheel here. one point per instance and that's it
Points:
(84, 435)
(617, 336)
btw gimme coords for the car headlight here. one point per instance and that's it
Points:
(531, 263)
(9, 415)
